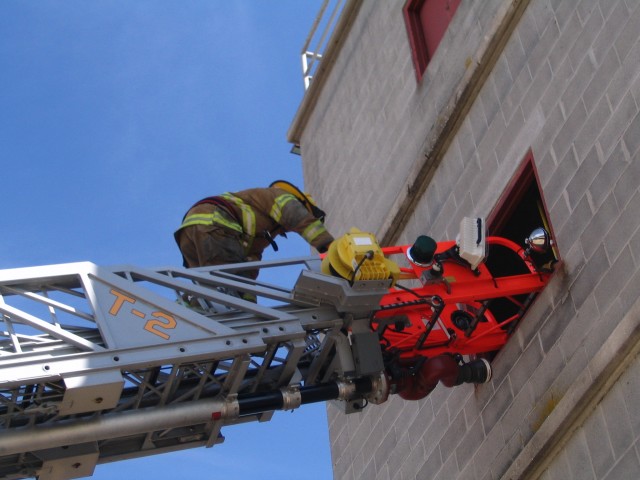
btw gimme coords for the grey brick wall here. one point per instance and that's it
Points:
(566, 86)
(606, 445)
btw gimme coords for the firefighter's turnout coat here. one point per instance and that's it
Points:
(237, 227)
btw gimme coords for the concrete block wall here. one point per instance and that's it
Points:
(606, 444)
(367, 131)
(566, 86)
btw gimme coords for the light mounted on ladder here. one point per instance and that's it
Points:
(357, 256)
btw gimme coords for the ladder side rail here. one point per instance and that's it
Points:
(206, 285)
(10, 333)
(23, 283)
(223, 275)
(50, 303)
(209, 293)
(45, 327)
(102, 286)
(53, 369)
(310, 262)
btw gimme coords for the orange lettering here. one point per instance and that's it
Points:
(120, 299)
(164, 322)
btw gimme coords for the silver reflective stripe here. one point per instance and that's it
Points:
(313, 231)
(278, 205)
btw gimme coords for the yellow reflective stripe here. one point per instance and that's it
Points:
(248, 215)
(278, 205)
(210, 219)
(249, 220)
(313, 231)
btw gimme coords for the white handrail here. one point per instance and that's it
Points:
(311, 57)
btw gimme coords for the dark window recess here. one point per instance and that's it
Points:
(520, 210)
(427, 22)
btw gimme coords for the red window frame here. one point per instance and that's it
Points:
(427, 22)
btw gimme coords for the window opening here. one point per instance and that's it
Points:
(520, 210)
(426, 22)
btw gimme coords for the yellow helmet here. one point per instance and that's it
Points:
(305, 198)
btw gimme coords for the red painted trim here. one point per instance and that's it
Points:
(418, 26)
(411, 13)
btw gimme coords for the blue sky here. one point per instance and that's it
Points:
(116, 116)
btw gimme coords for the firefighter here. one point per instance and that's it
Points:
(237, 227)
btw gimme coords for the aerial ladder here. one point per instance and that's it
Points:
(100, 364)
